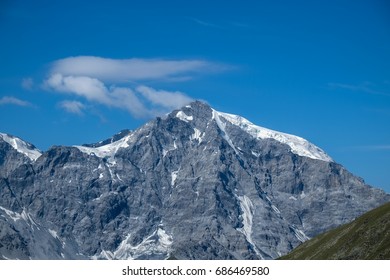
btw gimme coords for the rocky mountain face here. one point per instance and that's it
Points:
(196, 184)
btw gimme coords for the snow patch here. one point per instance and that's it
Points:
(222, 127)
(109, 169)
(13, 215)
(27, 217)
(275, 209)
(164, 239)
(20, 216)
(298, 145)
(292, 197)
(98, 198)
(21, 146)
(174, 177)
(165, 152)
(158, 243)
(53, 233)
(247, 217)
(182, 116)
(107, 151)
(299, 234)
(255, 154)
(198, 135)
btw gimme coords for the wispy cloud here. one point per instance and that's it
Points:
(27, 83)
(74, 107)
(241, 24)
(365, 87)
(204, 23)
(10, 100)
(223, 25)
(369, 148)
(134, 69)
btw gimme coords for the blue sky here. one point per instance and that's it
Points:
(75, 72)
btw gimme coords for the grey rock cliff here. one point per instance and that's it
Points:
(195, 185)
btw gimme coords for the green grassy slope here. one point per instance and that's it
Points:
(366, 238)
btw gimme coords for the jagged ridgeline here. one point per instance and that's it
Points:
(196, 184)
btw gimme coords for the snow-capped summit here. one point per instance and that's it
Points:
(298, 145)
(21, 146)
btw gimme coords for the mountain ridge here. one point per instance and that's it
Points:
(191, 184)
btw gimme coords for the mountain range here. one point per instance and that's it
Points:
(194, 184)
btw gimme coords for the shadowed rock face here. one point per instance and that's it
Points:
(193, 185)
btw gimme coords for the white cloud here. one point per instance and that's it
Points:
(10, 100)
(365, 87)
(90, 88)
(74, 107)
(166, 99)
(204, 23)
(117, 97)
(94, 90)
(373, 148)
(125, 98)
(93, 78)
(134, 69)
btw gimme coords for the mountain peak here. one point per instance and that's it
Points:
(196, 109)
(21, 146)
(298, 145)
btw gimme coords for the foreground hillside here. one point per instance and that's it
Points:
(366, 238)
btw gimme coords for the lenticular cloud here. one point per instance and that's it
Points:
(105, 81)
(134, 69)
